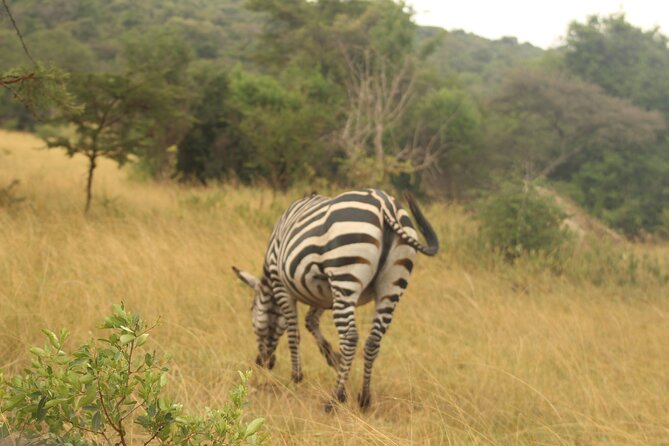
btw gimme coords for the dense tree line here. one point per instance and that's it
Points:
(353, 92)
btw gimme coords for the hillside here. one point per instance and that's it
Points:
(478, 353)
(90, 35)
(478, 62)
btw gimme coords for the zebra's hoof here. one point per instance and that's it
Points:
(341, 395)
(259, 361)
(329, 406)
(297, 377)
(271, 362)
(364, 400)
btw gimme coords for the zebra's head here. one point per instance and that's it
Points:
(268, 320)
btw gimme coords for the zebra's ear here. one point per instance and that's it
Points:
(247, 278)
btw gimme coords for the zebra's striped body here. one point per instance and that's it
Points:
(336, 253)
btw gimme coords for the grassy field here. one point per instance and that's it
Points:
(478, 352)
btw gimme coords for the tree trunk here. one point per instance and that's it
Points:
(89, 182)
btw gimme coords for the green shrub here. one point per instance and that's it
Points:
(93, 395)
(518, 220)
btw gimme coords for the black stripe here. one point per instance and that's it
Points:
(312, 215)
(388, 236)
(401, 283)
(343, 291)
(392, 297)
(406, 263)
(342, 240)
(368, 198)
(344, 261)
(344, 278)
(406, 221)
(339, 215)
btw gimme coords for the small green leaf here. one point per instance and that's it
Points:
(163, 404)
(86, 379)
(41, 409)
(109, 323)
(127, 338)
(119, 310)
(49, 404)
(253, 427)
(141, 340)
(89, 397)
(4, 430)
(37, 351)
(53, 339)
(12, 403)
(163, 380)
(97, 421)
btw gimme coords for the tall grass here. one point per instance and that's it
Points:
(479, 352)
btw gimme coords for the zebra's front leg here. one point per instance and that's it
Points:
(289, 309)
(382, 318)
(313, 320)
(273, 341)
(344, 319)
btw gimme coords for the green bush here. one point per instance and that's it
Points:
(518, 221)
(93, 395)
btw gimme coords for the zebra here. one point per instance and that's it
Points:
(336, 253)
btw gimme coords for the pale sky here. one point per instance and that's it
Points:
(542, 23)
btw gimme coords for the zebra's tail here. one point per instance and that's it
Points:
(423, 226)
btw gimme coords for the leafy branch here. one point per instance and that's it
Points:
(93, 395)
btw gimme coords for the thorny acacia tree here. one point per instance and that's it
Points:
(115, 122)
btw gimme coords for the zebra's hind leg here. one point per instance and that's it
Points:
(313, 320)
(382, 318)
(388, 287)
(344, 319)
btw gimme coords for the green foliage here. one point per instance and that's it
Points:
(440, 132)
(561, 117)
(366, 53)
(121, 115)
(481, 64)
(623, 59)
(35, 92)
(219, 30)
(211, 145)
(156, 60)
(253, 127)
(94, 394)
(627, 187)
(563, 129)
(58, 47)
(518, 221)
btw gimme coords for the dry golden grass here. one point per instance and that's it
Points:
(475, 355)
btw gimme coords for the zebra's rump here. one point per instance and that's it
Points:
(323, 243)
